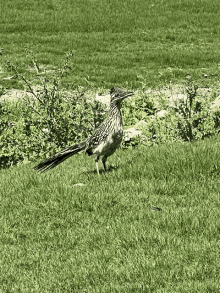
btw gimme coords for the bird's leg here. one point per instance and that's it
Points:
(97, 165)
(104, 159)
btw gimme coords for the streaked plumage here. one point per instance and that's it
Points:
(103, 142)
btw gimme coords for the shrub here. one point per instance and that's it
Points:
(188, 119)
(137, 108)
(50, 120)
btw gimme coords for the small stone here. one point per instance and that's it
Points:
(156, 209)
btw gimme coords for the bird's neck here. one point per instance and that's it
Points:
(115, 110)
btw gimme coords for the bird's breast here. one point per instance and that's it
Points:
(111, 142)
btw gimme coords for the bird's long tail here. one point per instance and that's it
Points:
(60, 157)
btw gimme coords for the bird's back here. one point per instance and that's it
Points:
(108, 136)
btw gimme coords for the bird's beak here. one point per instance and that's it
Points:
(127, 94)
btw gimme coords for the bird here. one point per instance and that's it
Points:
(104, 141)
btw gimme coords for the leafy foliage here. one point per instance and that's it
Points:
(138, 108)
(50, 119)
(189, 118)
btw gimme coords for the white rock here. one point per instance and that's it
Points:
(161, 113)
(140, 124)
(215, 105)
(131, 133)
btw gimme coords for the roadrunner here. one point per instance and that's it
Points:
(103, 142)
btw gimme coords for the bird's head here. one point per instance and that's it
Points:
(118, 95)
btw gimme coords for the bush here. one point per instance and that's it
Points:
(139, 107)
(188, 119)
(50, 119)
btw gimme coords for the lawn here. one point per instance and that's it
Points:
(115, 42)
(103, 235)
(149, 224)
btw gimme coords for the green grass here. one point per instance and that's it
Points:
(115, 42)
(104, 236)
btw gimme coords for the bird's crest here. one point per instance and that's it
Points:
(119, 94)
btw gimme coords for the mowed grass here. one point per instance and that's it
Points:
(115, 42)
(104, 236)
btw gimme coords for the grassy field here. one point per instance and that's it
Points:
(104, 236)
(115, 42)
